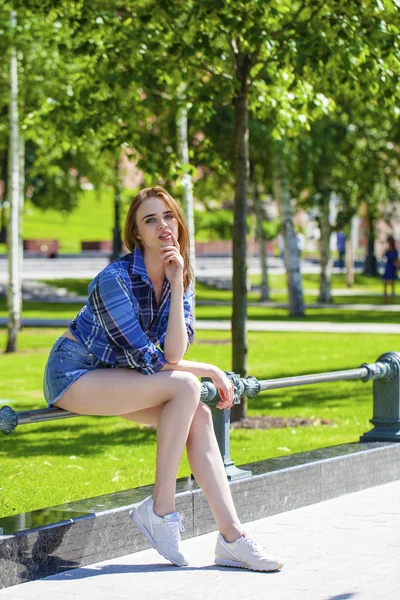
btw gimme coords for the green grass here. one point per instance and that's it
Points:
(371, 285)
(222, 312)
(366, 285)
(92, 220)
(310, 281)
(217, 312)
(333, 315)
(50, 463)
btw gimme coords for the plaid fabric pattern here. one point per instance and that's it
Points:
(121, 323)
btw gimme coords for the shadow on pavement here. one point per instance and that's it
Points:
(85, 572)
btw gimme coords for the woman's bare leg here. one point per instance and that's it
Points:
(207, 466)
(121, 391)
(208, 469)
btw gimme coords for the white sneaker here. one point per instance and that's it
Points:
(245, 553)
(162, 532)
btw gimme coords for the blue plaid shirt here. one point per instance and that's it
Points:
(121, 323)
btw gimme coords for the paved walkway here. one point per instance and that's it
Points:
(299, 326)
(347, 548)
(305, 326)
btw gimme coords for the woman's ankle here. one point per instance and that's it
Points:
(162, 507)
(232, 533)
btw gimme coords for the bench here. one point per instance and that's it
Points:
(47, 248)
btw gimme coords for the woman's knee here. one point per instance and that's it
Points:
(188, 383)
(202, 420)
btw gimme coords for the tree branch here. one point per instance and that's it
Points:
(201, 63)
(270, 59)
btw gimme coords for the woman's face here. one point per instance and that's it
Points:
(155, 222)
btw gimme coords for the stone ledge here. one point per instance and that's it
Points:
(49, 541)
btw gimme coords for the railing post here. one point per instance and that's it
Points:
(221, 418)
(386, 403)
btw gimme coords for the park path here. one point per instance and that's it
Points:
(305, 326)
(347, 548)
(41, 292)
(223, 325)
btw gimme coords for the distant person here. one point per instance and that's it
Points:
(390, 274)
(341, 248)
(123, 355)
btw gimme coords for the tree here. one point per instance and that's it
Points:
(251, 55)
(183, 148)
(336, 153)
(14, 195)
(291, 252)
(260, 232)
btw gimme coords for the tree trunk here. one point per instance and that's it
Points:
(251, 241)
(183, 149)
(117, 233)
(349, 263)
(260, 237)
(21, 211)
(371, 265)
(4, 176)
(326, 262)
(239, 282)
(351, 247)
(13, 189)
(291, 251)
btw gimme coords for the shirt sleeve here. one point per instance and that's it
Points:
(188, 300)
(113, 308)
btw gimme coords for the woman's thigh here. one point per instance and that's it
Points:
(123, 391)
(147, 416)
(150, 416)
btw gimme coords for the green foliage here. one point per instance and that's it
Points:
(98, 77)
(271, 229)
(217, 224)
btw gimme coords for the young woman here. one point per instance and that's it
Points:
(390, 274)
(123, 355)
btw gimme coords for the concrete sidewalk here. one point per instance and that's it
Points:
(343, 549)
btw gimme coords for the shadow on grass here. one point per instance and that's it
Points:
(310, 397)
(56, 440)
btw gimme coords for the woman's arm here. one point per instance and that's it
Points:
(176, 337)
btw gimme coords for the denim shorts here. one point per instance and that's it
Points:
(68, 360)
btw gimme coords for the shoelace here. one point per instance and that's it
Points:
(251, 541)
(175, 527)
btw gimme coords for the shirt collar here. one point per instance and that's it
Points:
(139, 269)
(138, 266)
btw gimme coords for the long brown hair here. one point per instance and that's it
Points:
(130, 231)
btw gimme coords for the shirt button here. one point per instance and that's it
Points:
(91, 355)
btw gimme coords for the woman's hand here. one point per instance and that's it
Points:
(172, 261)
(224, 386)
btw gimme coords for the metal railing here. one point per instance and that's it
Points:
(386, 403)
